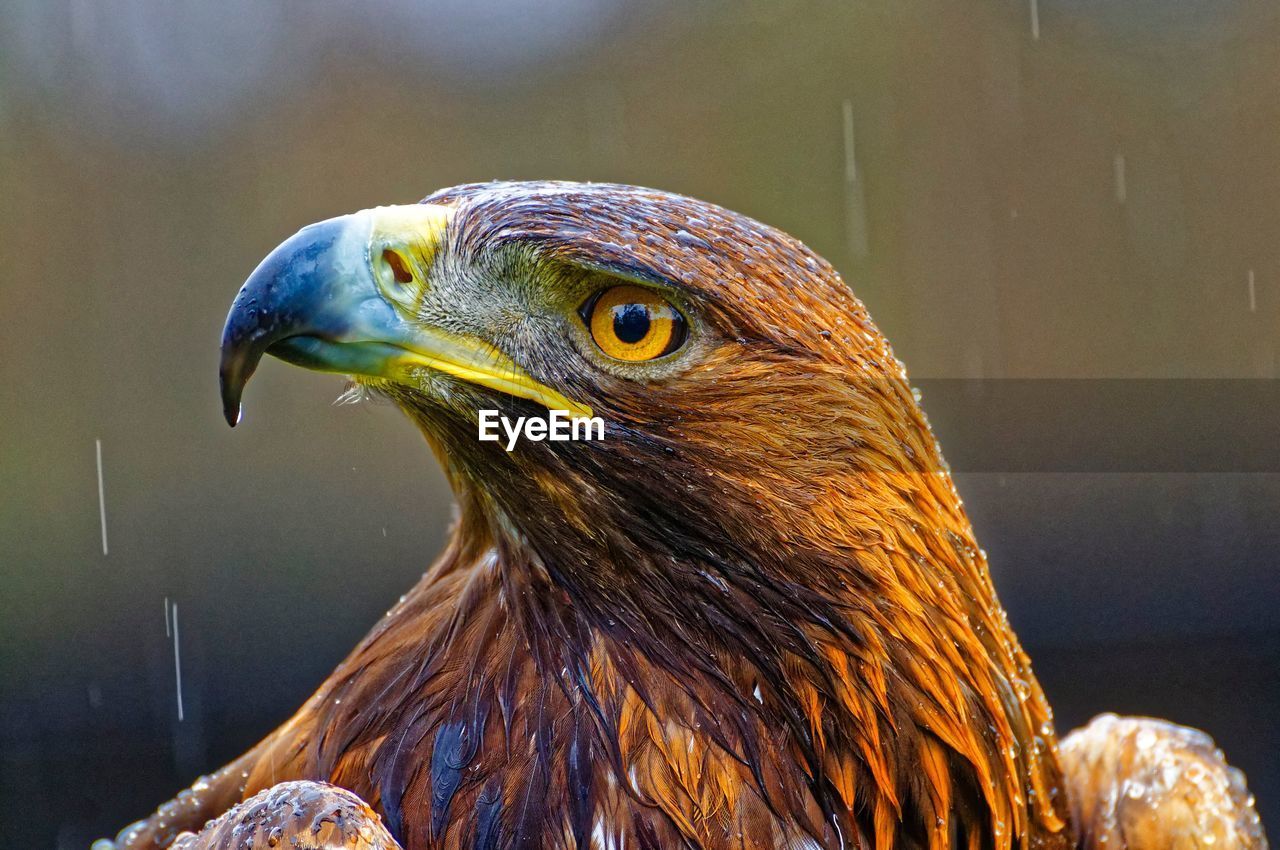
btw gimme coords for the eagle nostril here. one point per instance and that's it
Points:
(399, 267)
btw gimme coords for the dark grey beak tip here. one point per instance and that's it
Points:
(243, 345)
(281, 299)
(232, 388)
(250, 329)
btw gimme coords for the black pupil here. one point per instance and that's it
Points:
(631, 322)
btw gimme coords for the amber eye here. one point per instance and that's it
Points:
(633, 323)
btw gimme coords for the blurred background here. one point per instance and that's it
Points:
(1022, 191)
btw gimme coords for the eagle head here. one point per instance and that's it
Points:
(767, 517)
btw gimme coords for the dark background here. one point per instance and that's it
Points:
(1039, 189)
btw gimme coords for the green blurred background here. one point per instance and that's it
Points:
(1016, 188)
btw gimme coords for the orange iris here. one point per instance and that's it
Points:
(632, 323)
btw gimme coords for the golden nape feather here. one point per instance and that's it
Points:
(753, 615)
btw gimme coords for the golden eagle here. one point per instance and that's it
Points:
(752, 616)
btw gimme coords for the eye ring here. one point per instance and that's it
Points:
(633, 324)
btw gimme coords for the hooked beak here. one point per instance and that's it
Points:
(317, 301)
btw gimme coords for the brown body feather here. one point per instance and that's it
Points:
(754, 616)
